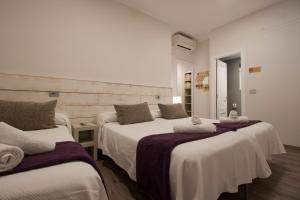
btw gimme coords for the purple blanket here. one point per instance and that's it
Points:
(153, 160)
(64, 152)
(236, 125)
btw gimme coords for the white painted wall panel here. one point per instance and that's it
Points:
(270, 38)
(98, 40)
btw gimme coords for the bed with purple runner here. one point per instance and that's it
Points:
(187, 168)
(154, 155)
(68, 172)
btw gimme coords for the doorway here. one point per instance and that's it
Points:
(229, 85)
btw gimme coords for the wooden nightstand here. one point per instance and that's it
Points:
(87, 136)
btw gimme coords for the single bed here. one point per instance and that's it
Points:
(73, 180)
(201, 169)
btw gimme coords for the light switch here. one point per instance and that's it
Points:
(53, 94)
(252, 91)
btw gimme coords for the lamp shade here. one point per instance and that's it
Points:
(177, 99)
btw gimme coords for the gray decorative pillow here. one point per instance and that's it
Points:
(136, 113)
(28, 115)
(172, 111)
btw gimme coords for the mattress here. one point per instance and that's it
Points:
(201, 169)
(59, 182)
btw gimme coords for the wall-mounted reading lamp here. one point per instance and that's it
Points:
(177, 99)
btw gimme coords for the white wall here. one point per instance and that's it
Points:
(201, 62)
(84, 39)
(270, 38)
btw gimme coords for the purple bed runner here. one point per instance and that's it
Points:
(153, 160)
(236, 125)
(64, 152)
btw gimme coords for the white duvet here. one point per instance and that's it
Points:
(74, 180)
(202, 169)
(267, 137)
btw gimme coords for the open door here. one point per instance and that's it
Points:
(221, 89)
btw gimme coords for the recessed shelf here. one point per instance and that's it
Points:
(188, 80)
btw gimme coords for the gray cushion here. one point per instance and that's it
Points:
(28, 115)
(136, 113)
(172, 111)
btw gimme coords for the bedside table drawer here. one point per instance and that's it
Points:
(86, 136)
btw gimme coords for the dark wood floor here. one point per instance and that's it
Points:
(284, 183)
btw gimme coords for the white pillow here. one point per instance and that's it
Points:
(106, 117)
(156, 114)
(63, 119)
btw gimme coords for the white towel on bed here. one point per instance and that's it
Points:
(15, 137)
(230, 120)
(199, 128)
(196, 120)
(10, 157)
(243, 119)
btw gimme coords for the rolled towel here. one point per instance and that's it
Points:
(10, 157)
(240, 119)
(228, 120)
(243, 119)
(15, 137)
(201, 128)
(196, 120)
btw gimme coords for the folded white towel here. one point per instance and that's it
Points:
(196, 120)
(243, 119)
(15, 137)
(227, 120)
(233, 114)
(10, 157)
(188, 128)
(230, 120)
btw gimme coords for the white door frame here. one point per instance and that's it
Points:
(213, 81)
(220, 64)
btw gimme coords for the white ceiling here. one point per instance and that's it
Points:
(197, 17)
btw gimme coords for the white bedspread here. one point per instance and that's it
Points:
(199, 170)
(74, 180)
(267, 138)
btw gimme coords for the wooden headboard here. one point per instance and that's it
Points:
(81, 100)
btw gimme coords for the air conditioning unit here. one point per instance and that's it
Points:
(184, 42)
